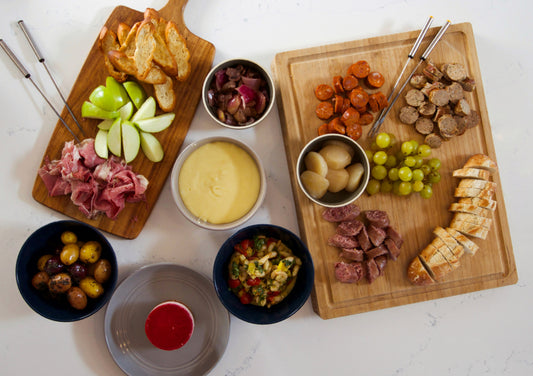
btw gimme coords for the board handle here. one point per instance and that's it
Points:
(174, 10)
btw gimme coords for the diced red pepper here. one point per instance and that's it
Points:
(246, 298)
(234, 283)
(253, 281)
(271, 295)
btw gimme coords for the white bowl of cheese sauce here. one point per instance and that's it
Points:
(218, 183)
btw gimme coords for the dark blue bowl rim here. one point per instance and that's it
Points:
(61, 314)
(262, 315)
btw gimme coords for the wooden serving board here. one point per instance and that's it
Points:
(297, 73)
(131, 220)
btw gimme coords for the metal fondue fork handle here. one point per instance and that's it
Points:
(27, 75)
(40, 57)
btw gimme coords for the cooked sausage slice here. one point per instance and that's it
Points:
(324, 110)
(375, 80)
(350, 82)
(433, 140)
(408, 115)
(415, 98)
(323, 92)
(359, 69)
(439, 97)
(424, 126)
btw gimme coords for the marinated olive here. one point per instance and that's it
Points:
(54, 265)
(68, 237)
(78, 271)
(102, 270)
(40, 281)
(42, 262)
(92, 288)
(90, 252)
(59, 283)
(69, 254)
(77, 298)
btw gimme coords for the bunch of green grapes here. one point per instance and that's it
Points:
(403, 172)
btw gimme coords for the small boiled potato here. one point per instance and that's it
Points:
(69, 254)
(59, 283)
(90, 287)
(77, 298)
(68, 237)
(316, 163)
(356, 172)
(337, 179)
(40, 281)
(344, 145)
(42, 262)
(90, 252)
(315, 184)
(336, 156)
(102, 270)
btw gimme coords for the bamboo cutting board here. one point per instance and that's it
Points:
(297, 73)
(131, 220)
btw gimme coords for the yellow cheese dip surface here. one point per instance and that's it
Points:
(219, 182)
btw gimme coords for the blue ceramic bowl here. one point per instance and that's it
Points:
(45, 241)
(288, 306)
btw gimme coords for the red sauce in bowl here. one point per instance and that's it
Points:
(169, 325)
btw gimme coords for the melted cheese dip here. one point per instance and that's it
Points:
(219, 182)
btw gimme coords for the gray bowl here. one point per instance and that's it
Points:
(343, 197)
(229, 63)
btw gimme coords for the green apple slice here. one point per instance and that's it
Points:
(106, 124)
(136, 93)
(116, 91)
(101, 98)
(114, 140)
(147, 110)
(151, 147)
(100, 144)
(89, 110)
(156, 124)
(130, 141)
(126, 111)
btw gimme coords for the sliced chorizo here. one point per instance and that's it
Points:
(358, 98)
(354, 131)
(324, 92)
(324, 110)
(339, 104)
(382, 100)
(373, 103)
(337, 85)
(375, 79)
(359, 69)
(336, 126)
(366, 118)
(350, 116)
(323, 129)
(350, 82)
(347, 104)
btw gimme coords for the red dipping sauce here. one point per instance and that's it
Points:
(169, 325)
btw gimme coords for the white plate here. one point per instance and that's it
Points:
(135, 297)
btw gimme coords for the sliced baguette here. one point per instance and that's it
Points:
(178, 49)
(122, 32)
(468, 245)
(485, 203)
(470, 208)
(418, 274)
(476, 183)
(474, 192)
(474, 219)
(441, 247)
(122, 62)
(456, 248)
(162, 56)
(165, 95)
(481, 161)
(144, 49)
(435, 262)
(107, 41)
(128, 45)
(472, 173)
(471, 229)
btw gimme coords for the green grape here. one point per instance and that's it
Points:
(405, 188)
(396, 187)
(434, 177)
(405, 174)
(386, 186)
(415, 146)
(409, 161)
(383, 140)
(374, 146)
(424, 150)
(399, 156)
(426, 192)
(379, 172)
(369, 155)
(425, 169)
(391, 161)
(380, 157)
(372, 187)
(417, 186)
(419, 161)
(418, 174)
(393, 174)
(434, 163)
(393, 140)
(406, 148)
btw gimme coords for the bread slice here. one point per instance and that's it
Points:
(456, 248)
(165, 95)
(471, 229)
(144, 49)
(122, 32)
(468, 245)
(418, 274)
(107, 41)
(474, 219)
(162, 56)
(481, 161)
(470, 208)
(451, 258)
(122, 62)
(476, 183)
(472, 173)
(178, 49)
(128, 45)
(474, 192)
(155, 76)
(485, 203)
(434, 262)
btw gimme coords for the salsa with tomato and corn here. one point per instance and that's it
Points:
(262, 271)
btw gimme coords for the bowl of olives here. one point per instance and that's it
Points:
(66, 271)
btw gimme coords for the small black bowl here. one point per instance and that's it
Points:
(46, 240)
(288, 306)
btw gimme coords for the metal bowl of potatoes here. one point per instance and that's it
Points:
(332, 170)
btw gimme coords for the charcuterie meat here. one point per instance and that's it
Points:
(378, 218)
(381, 262)
(371, 270)
(415, 98)
(394, 250)
(424, 125)
(354, 254)
(342, 241)
(364, 240)
(408, 115)
(350, 228)
(376, 235)
(376, 252)
(344, 213)
(348, 272)
(395, 236)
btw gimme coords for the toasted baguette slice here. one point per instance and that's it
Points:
(470, 208)
(441, 247)
(485, 203)
(471, 229)
(472, 173)
(474, 192)
(418, 274)
(155, 76)
(476, 183)
(468, 245)
(165, 95)
(481, 161)
(128, 45)
(474, 219)
(122, 32)
(144, 49)
(162, 56)
(178, 49)
(456, 248)
(122, 62)
(435, 262)
(107, 42)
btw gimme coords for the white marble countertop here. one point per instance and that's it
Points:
(488, 332)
